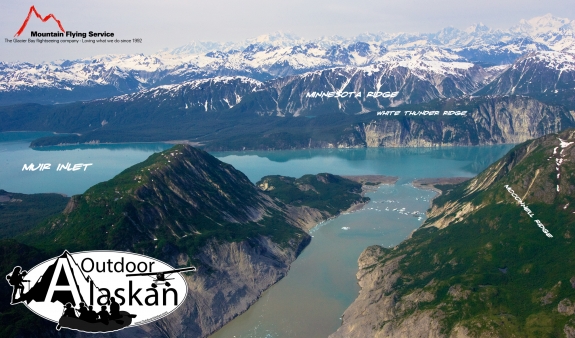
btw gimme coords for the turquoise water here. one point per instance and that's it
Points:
(321, 283)
(407, 163)
(107, 161)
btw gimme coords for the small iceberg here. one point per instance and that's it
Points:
(345, 228)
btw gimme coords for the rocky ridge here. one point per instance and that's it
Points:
(185, 207)
(480, 266)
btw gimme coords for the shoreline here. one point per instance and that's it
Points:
(370, 182)
(431, 183)
(190, 143)
(375, 180)
(199, 144)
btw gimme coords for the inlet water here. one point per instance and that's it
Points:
(107, 161)
(321, 283)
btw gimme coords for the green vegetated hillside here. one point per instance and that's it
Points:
(184, 207)
(325, 192)
(480, 266)
(21, 212)
(177, 198)
(183, 197)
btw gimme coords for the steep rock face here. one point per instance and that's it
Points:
(443, 213)
(416, 81)
(374, 312)
(307, 217)
(481, 266)
(518, 119)
(240, 272)
(511, 119)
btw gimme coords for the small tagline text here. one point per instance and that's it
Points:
(37, 41)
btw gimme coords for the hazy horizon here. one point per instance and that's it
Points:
(176, 23)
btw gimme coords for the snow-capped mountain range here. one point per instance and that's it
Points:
(536, 73)
(477, 54)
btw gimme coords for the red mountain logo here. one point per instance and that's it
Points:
(44, 19)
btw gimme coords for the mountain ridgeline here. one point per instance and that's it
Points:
(489, 120)
(279, 55)
(180, 192)
(503, 104)
(185, 207)
(282, 92)
(482, 265)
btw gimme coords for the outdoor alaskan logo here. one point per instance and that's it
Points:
(100, 291)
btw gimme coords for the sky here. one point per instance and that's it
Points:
(172, 23)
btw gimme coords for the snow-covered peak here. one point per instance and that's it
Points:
(556, 33)
(563, 62)
(421, 54)
(201, 47)
(177, 89)
(540, 25)
(280, 54)
(477, 28)
(281, 39)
